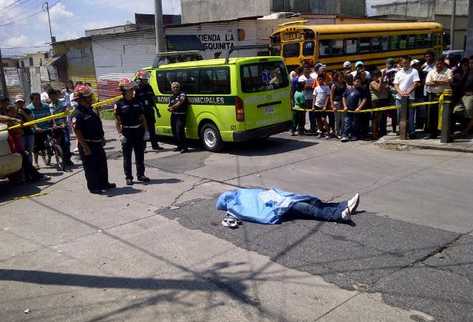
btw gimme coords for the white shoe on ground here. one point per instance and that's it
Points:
(353, 203)
(346, 214)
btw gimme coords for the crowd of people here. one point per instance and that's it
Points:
(134, 112)
(325, 95)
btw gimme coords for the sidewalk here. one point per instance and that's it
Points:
(393, 142)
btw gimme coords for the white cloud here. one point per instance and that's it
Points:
(17, 41)
(58, 12)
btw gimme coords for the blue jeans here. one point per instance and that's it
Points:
(350, 125)
(320, 210)
(411, 117)
(28, 144)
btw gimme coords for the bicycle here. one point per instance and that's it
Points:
(52, 141)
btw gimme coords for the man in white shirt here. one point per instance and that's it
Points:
(405, 81)
(436, 82)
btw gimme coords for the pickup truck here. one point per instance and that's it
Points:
(10, 163)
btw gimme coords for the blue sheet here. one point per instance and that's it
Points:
(259, 205)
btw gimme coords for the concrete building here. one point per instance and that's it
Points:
(74, 60)
(35, 68)
(436, 10)
(194, 11)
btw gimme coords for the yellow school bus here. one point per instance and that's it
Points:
(298, 42)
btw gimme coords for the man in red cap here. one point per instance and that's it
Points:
(90, 135)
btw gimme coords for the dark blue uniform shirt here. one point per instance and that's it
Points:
(130, 112)
(145, 94)
(88, 122)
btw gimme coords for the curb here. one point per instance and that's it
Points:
(403, 146)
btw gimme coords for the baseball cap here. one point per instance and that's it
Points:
(19, 98)
(415, 61)
(359, 63)
(347, 64)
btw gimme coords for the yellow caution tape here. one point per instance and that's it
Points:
(39, 194)
(96, 106)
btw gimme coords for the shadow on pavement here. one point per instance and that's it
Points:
(164, 181)
(271, 146)
(214, 279)
(119, 191)
(11, 191)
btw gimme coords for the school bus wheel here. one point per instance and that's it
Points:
(210, 137)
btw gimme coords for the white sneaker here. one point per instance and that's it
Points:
(353, 203)
(346, 214)
(345, 139)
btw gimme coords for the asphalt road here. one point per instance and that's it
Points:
(158, 252)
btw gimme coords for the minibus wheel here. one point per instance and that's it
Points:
(210, 137)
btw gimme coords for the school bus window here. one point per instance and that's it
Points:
(337, 47)
(402, 42)
(260, 77)
(423, 41)
(350, 46)
(324, 47)
(411, 41)
(214, 81)
(291, 50)
(376, 44)
(364, 45)
(308, 49)
(384, 43)
(394, 43)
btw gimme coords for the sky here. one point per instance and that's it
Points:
(24, 25)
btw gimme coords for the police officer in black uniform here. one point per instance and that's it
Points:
(145, 94)
(90, 136)
(178, 105)
(133, 130)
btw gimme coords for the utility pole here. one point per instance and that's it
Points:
(159, 28)
(469, 31)
(46, 6)
(3, 82)
(452, 24)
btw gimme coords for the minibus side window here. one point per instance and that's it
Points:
(260, 77)
(214, 81)
(164, 82)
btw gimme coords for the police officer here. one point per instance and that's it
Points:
(145, 94)
(178, 105)
(90, 136)
(133, 130)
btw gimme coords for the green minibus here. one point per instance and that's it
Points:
(231, 100)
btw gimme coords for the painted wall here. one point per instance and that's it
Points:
(79, 60)
(216, 10)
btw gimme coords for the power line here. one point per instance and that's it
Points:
(15, 4)
(25, 47)
(27, 16)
